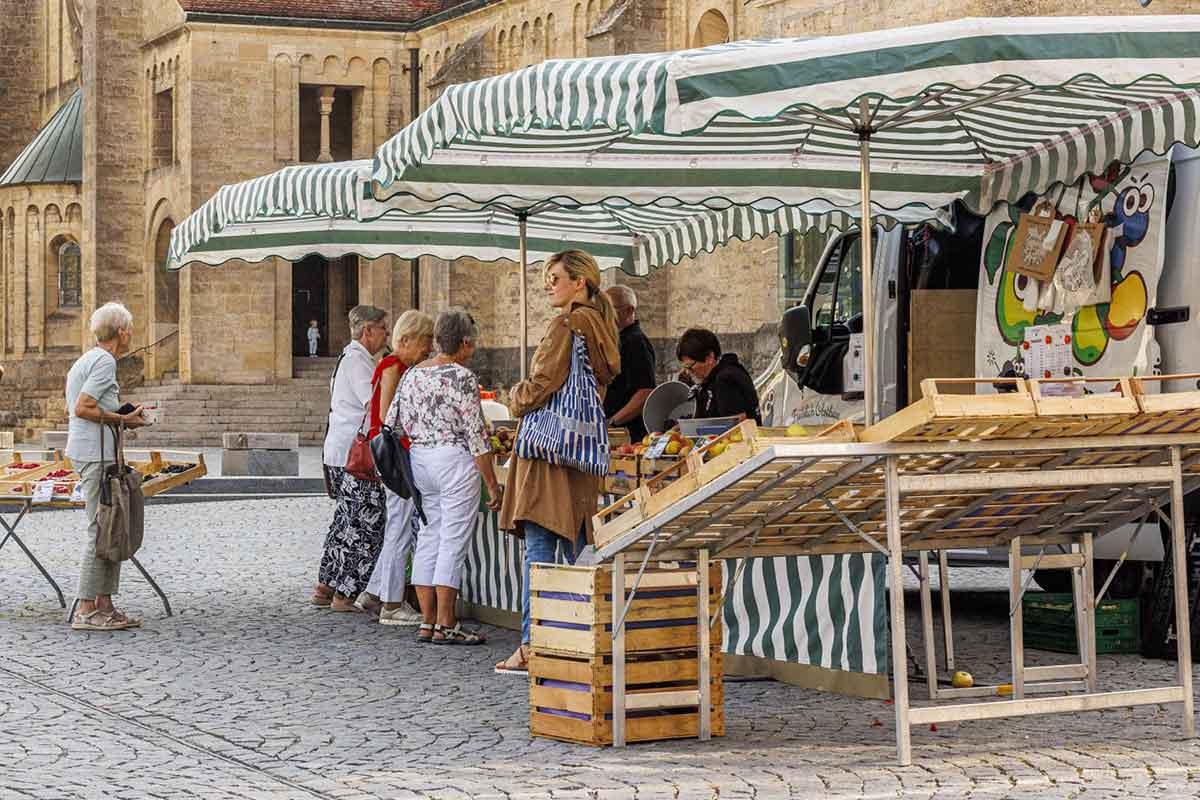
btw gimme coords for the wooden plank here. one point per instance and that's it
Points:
(1052, 561)
(636, 701)
(1044, 705)
(1056, 672)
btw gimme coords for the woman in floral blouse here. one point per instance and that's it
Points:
(437, 406)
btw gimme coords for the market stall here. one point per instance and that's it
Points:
(33, 480)
(1021, 469)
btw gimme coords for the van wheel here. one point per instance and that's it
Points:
(1126, 585)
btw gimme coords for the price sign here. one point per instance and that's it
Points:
(77, 492)
(657, 449)
(43, 492)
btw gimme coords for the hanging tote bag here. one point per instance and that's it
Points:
(121, 514)
(570, 430)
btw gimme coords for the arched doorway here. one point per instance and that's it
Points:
(323, 290)
(163, 356)
(712, 29)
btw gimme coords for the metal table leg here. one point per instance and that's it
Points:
(161, 595)
(10, 532)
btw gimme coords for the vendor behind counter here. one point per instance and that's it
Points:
(628, 392)
(725, 388)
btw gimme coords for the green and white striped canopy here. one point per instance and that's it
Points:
(983, 110)
(329, 210)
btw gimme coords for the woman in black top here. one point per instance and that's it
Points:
(725, 387)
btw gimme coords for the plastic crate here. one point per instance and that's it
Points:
(1049, 624)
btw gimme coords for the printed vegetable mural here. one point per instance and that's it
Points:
(1133, 222)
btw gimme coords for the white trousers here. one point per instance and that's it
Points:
(388, 578)
(450, 489)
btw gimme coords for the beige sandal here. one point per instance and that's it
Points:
(506, 667)
(99, 621)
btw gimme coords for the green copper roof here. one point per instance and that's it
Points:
(56, 154)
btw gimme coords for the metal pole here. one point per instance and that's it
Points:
(868, 283)
(522, 220)
(414, 92)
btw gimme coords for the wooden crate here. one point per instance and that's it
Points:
(1109, 408)
(623, 475)
(163, 471)
(571, 698)
(685, 475)
(940, 415)
(1167, 412)
(571, 609)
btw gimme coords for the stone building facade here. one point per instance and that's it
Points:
(182, 96)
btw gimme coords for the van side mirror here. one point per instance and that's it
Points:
(795, 341)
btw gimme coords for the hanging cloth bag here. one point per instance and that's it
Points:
(570, 430)
(120, 517)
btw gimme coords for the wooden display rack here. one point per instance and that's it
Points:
(956, 472)
(17, 488)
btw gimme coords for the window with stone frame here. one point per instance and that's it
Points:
(162, 141)
(337, 104)
(70, 283)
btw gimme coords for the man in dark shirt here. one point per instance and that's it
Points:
(725, 387)
(629, 390)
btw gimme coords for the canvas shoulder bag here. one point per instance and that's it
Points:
(570, 430)
(120, 518)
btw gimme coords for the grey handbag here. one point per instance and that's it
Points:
(121, 516)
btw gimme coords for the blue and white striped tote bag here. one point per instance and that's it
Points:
(571, 429)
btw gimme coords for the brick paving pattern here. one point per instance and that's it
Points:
(249, 693)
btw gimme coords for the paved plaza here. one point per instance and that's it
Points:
(248, 692)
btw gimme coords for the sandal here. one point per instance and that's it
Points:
(343, 604)
(425, 632)
(99, 621)
(320, 598)
(505, 667)
(457, 635)
(130, 622)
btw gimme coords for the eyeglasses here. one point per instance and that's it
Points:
(688, 365)
(552, 280)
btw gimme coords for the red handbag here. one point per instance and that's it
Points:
(360, 462)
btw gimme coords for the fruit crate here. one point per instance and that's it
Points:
(623, 474)
(1050, 624)
(571, 610)
(571, 698)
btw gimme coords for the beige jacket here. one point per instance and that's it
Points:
(560, 499)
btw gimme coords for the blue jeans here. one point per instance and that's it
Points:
(541, 547)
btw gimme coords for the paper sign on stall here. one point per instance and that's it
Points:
(43, 492)
(1047, 351)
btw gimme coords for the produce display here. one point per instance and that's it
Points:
(160, 472)
(501, 440)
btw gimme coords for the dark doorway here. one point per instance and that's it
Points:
(309, 302)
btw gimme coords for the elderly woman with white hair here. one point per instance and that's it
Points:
(356, 533)
(438, 407)
(93, 398)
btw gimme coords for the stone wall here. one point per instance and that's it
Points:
(35, 222)
(21, 23)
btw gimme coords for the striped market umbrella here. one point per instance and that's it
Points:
(330, 210)
(982, 110)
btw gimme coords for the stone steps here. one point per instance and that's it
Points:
(199, 414)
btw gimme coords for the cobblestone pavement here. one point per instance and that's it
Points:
(249, 693)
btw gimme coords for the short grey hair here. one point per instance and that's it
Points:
(452, 328)
(623, 292)
(362, 316)
(108, 320)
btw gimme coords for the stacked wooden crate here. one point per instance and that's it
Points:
(571, 664)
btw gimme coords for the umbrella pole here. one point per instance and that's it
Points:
(868, 264)
(521, 222)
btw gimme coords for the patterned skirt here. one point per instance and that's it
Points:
(355, 535)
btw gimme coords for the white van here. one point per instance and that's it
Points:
(926, 290)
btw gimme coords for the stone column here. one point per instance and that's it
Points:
(114, 150)
(326, 109)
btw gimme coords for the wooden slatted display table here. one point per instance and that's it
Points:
(959, 471)
(21, 471)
